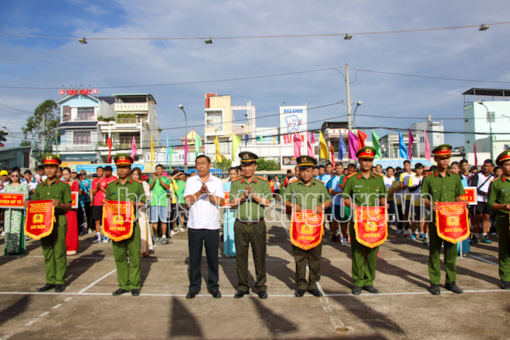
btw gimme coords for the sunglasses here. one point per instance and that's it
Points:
(14, 175)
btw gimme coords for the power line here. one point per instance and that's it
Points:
(255, 36)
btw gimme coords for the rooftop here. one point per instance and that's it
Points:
(476, 91)
(134, 97)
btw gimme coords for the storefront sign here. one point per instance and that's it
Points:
(77, 92)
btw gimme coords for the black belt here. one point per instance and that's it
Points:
(251, 222)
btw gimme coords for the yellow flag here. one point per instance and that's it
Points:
(218, 153)
(274, 140)
(324, 154)
(152, 152)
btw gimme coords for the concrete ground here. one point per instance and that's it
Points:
(404, 309)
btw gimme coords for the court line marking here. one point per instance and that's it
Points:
(98, 280)
(256, 296)
(57, 306)
(481, 259)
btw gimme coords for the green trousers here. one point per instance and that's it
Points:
(363, 261)
(255, 235)
(128, 275)
(55, 252)
(502, 227)
(314, 263)
(450, 257)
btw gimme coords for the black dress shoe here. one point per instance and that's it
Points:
(453, 288)
(434, 289)
(135, 292)
(119, 291)
(45, 288)
(299, 293)
(239, 294)
(59, 288)
(371, 289)
(315, 292)
(191, 294)
(262, 294)
(505, 285)
(356, 290)
(215, 293)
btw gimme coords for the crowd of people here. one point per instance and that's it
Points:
(178, 202)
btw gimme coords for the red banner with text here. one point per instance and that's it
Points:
(306, 229)
(370, 226)
(39, 219)
(452, 221)
(118, 219)
(8, 200)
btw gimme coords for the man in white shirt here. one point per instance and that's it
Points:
(482, 212)
(406, 197)
(388, 183)
(204, 194)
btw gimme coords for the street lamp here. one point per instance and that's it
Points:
(490, 122)
(185, 138)
(358, 104)
(13, 137)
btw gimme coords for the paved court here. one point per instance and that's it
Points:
(403, 310)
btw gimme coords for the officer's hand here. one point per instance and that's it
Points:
(297, 207)
(435, 206)
(25, 204)
(55, 203)
(507, 207)
(318, 210)
(250, 189)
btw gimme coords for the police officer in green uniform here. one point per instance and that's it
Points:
(499, 201)
(123, 189)
(307, 193)
(442, 186)
(251, 195)
(364, 188)
(54, 245)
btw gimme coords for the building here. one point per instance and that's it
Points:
(486, 121)
(79, 115)
(20, 156)
(390, 145)
(435, 134)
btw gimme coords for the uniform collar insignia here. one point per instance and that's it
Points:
(359, 175)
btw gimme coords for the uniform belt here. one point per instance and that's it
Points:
(251, 222)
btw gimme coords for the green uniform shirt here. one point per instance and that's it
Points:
(158, 193)
(442, 189)
(499, 192)
(307, 197)
(132, 190)
(181, 185)
(364, 191)
(250, 210)
(58, 190)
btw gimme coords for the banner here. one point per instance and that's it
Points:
(306, 229)
(11, 201)
(39, 219)
(118, 219)
(470, 195)
(227, 199)
(370, 226)
(74, 196)
(452, 221)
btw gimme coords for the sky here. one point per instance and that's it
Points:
(109, 64)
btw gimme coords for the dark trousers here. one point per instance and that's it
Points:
(364, 260)
(197, 238)
(54, 251)
(88, 216)
(450, 257)
(400, 216)
(314, 264)
(502, 225)
(255, 235)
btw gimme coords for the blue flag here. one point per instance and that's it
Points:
(341, 148)
(402, 149)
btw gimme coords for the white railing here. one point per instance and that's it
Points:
(130, 107)
(75, 147)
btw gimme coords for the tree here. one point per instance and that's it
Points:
(2, 137)
(42, 125)
(269, 165)
(224, 165)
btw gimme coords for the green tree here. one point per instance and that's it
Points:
(224, 165)
(42, 125)
(270, 165)
(2, 137)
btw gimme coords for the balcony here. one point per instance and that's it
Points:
(131, 107)
(121, 124)
(75, 148)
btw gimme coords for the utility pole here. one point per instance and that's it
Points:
(349, 120)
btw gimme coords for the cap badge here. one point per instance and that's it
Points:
(48, 158)
(245, 156)
(122, 158)
(368, 151)
(444, 148)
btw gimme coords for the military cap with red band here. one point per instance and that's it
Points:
(366, 152)
(504, 156)
(50, 159)
(123, 159)
(443, 150)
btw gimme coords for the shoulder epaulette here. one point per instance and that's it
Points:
(318, 180)
(137, 180)
(351, 175)
(379, 174)
(427, 175)
(238, 178)
(295, 179)
(262, 178)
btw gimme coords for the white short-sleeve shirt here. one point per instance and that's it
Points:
(203, 214)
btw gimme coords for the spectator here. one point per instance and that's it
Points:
(316, 172)
(171, 193)
(483, 212)
(287, 179)
(74, 175)
(99, 196)
(59, 173)
(159, 186)
(193, 173)
(389, 178)
(4, 175)
(85, 203)
(72, 233)
(378, 169)
(418, 213)
(146, 245)
(14, 218)
(397, 196)
(340, 217)
(406, 198)
(31, 183)
(182, 208)
(497, 173)
(40, 176)
(204, 193)
(326, 176)
(464, 171)
(229, 247)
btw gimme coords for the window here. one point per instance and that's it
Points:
(127, 138)
(215, 120)
(422, 140)
(81, 137)
(85, 113)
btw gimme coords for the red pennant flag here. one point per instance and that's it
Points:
(361, 139)
(109, 143)
(332, 151)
